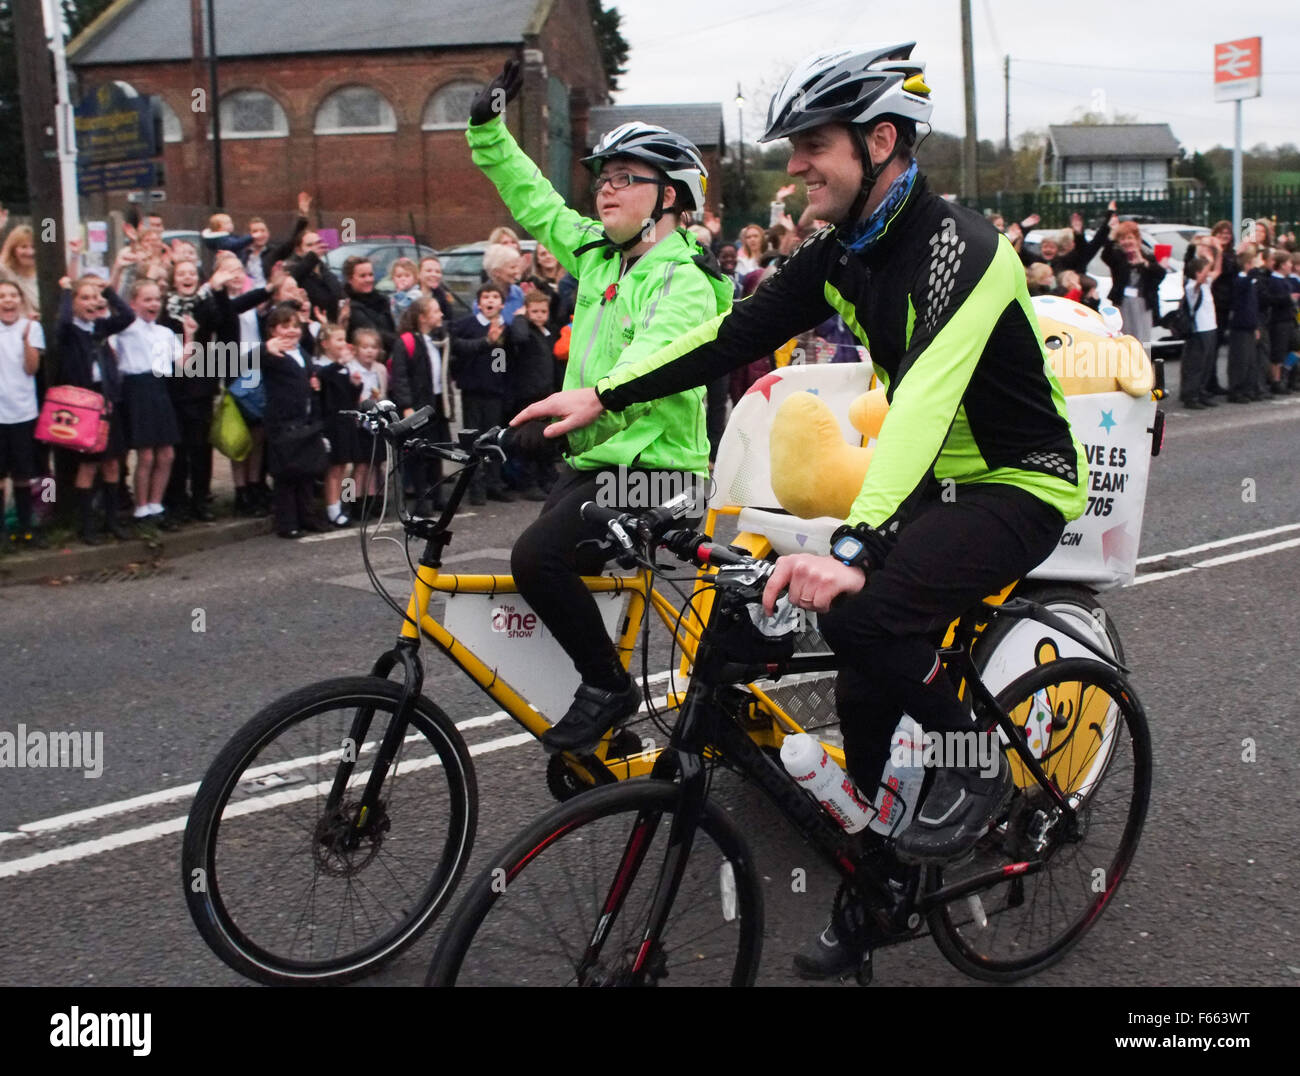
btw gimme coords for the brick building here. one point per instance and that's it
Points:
(361, 104)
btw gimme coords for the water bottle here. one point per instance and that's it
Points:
(808, 763)
(896, 801)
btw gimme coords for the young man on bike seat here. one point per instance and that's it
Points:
(976, 469)
(643, 282)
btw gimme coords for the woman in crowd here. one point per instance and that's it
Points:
(753, 242)
(1135, 280)
(501, 267)
(308, 268)
(367, 308)
(18, 264)
(546, 276)
(431, 285)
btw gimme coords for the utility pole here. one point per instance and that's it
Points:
(214, 102)
(969, 164)
(202, 161)
(65, 126)
(740, 135)
(41, 144)
(1006, 97)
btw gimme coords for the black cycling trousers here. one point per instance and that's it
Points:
(547, 564)
(948, 556)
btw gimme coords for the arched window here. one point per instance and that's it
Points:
(355, 110)
(448, 108)
(252, 114)
(171, 123)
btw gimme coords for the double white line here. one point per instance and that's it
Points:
(1227, 558)
(152, 831)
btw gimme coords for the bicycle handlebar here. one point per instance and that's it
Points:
(637, 533)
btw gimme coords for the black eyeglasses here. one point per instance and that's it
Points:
(619, 180)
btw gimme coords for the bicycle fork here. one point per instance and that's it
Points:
(406, 653)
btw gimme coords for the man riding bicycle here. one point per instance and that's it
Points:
(976, 470)
(643, 282)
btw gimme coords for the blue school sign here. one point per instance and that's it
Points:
(116, 140)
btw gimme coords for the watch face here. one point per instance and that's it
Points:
(847, 549)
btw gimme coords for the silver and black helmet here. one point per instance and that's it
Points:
(660, 148)
(854, 85)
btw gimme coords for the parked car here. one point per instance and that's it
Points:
(1178, 237)
(382, 250)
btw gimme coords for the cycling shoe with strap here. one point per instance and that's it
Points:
(593, 713)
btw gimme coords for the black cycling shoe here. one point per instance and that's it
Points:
(956, 813)
(827, 957)
(593, 713)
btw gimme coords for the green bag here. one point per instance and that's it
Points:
(229, 433)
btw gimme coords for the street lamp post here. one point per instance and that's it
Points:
(740, 122)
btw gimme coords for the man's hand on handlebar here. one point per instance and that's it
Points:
(574, 409)
(813, 582)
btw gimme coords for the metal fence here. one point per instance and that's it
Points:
(1185, 206)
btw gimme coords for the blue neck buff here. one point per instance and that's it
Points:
(863, 235)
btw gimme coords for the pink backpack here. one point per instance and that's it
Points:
(74, 418)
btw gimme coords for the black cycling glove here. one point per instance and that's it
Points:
(493, 98)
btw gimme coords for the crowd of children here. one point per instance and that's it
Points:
(294, 347)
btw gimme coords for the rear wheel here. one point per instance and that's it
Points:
(567, 902)
(1089, 733)
(1012, 646)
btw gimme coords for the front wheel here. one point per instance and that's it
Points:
(1085, 726)
(287, 878)
(567, 902)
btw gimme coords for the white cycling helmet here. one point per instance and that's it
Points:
(660, 148)
(855, 85)
(858, 85)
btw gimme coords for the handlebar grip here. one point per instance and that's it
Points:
(411, 423)
(598, 516)
(611, 522)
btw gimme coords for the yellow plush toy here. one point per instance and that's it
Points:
(1087, 350)
(815, 472)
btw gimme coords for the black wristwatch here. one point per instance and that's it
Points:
(848, 548)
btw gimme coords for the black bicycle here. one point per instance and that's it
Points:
(650, 881)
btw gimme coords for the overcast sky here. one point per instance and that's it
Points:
(1151, 58)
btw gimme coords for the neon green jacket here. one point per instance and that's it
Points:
(616, 322)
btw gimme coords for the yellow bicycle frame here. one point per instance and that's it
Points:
(768, 725)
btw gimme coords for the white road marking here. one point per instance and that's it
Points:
(1220, 543)
(153, 831)
(187, 791)
(1214, 562)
